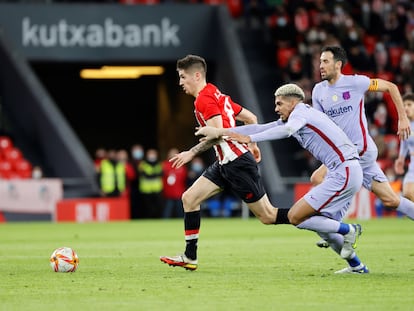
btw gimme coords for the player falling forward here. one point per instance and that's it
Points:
(322, 209)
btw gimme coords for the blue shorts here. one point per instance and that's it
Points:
(334, 195)
(240, 176)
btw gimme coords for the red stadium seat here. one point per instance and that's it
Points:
(348, 69)
(235, 8)
(369, 43)
(6, 169)
(23, 168)
(213, 2)
(385, 75)
(5, 143)
(395, 53)
(284, 55)
(12, 154)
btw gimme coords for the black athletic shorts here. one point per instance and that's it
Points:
(240, 176)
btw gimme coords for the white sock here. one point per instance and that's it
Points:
(320, 224)
(406, 207)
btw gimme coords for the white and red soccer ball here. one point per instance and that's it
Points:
(64, 259)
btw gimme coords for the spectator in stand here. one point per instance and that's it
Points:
(196, 169)
(123, 160)
(294, 71)
(254, 13)
(281, 27)
(137, 154)
(111, 175)
(100, 154)
(357, 56)
(37, 172)
(174, 185)
(150, 184)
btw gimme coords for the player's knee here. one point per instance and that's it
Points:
(293, 218)
(188, 199)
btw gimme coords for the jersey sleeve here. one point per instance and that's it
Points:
(362, 83)
(270, 131)
(208, 107)
(315, 99)
(403, 148)
(236, 107)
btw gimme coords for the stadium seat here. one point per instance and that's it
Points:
(395, 53)
(283, 56)
(385, 75)
(235, 7)
(23, 168)
(369, 43)
(213, 2)
(348, 69)
(5, 143)
(12, 154)
(6, 169)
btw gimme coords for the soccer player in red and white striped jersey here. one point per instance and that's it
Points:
(236, 166)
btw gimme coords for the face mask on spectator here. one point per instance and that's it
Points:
(152, 159)
(197, 167)
(137, 154)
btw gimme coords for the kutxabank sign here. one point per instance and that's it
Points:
(108, 32)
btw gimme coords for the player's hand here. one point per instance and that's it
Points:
(254, 149)
(399, 166)
(404, 130)
(239, 137)
(209, 132)
(181, 158)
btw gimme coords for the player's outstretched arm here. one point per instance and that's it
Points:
(381, 85)
(184, 157)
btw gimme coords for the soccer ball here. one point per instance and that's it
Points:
(64, 259)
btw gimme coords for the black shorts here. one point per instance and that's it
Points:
(240, 176)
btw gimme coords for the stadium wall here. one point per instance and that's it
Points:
(105, 33)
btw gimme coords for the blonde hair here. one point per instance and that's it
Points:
(290, 90)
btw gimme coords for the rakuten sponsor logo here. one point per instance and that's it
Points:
(109, 34)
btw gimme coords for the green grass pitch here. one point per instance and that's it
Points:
(243, 265)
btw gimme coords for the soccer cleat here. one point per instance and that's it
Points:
(180, 261)
(350, 241)
(322, 244)
(355, 270)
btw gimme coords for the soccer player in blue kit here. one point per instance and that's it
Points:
(322, 209)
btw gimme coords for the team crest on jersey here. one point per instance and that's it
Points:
(346, 95)
(335, 98)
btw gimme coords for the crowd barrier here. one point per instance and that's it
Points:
(45, 196)
(92, 210)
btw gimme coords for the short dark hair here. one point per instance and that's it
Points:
(192, 61)
(339, 54)
(408, 96)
